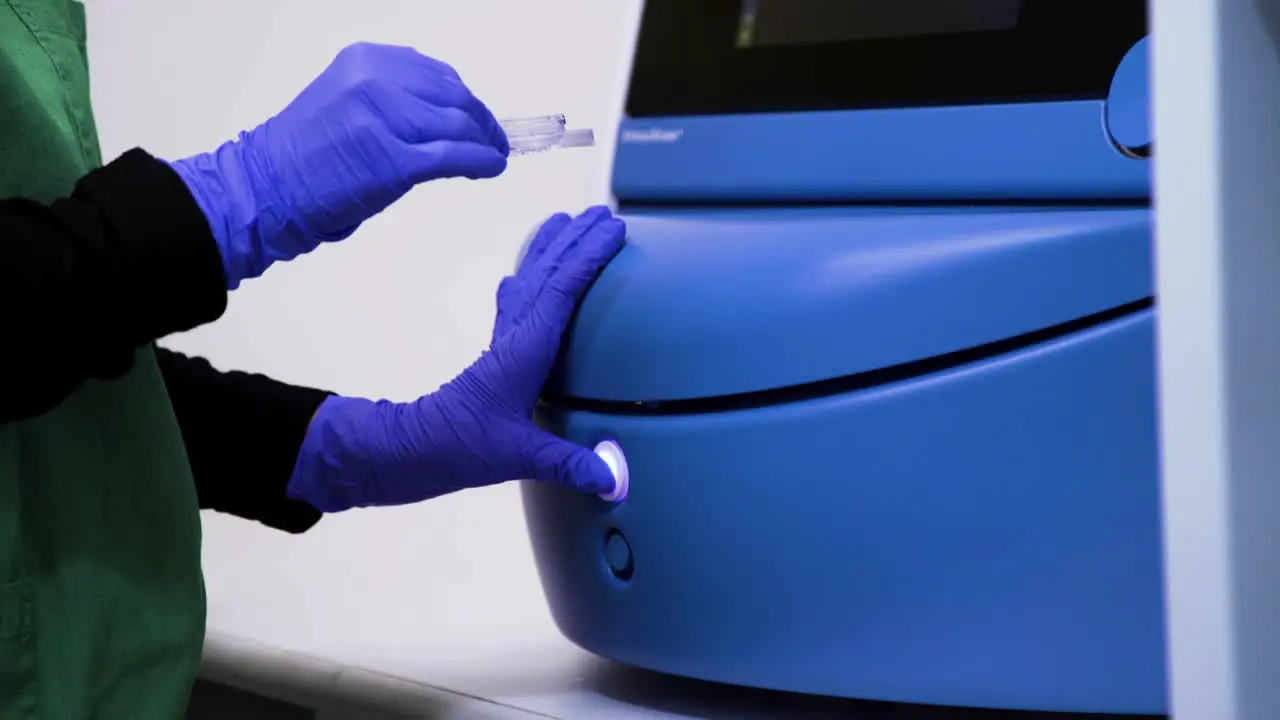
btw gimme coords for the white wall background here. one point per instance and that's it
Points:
(394, 311)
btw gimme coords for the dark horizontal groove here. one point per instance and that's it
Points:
(848, 383)
(625, 204)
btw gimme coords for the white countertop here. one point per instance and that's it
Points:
(430, 611)
(555, 681)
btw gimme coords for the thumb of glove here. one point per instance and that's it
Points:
(564, 463)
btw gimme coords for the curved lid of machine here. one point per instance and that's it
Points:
(703, 304)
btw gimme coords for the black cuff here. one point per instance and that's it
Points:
(284, 428)
(243, 433)
(252, 483)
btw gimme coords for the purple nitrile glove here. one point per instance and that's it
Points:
(378, 121)
(476, 430)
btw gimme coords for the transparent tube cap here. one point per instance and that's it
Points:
(539, 134)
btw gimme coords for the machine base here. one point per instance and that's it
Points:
(985, 536)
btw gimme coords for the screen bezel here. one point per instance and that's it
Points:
(687, 62)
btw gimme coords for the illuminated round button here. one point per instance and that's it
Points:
(611, 453)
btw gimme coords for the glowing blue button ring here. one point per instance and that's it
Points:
(611, 453)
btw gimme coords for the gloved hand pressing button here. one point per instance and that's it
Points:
(476, 430)
(379, 120)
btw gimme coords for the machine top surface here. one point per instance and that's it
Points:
(733, 57)
(706, 304)
(854, 100)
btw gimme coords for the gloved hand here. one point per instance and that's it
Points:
(477, 429)
(378, 121)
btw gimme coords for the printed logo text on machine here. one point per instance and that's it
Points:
(652, 135)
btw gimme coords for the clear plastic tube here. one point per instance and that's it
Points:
(539, 134)
(582, 137)
(541, 125)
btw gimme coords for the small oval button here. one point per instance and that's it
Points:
(617, 554)
(611, 453)
(1128, 112)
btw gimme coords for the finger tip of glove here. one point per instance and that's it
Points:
(611, 239)
(492, 165)
(611, 477)
(615, 226)
(615, 493)
(597, 213)
(591, 475)
(606, 222)
(452, 159)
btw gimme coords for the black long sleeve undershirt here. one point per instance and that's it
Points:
(126, 259)
(242, 433)
(86, 280)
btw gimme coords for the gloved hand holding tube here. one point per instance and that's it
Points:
(378, 121)
(476, 430)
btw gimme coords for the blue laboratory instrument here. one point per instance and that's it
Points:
(878, 360)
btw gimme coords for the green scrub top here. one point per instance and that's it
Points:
(102, 604)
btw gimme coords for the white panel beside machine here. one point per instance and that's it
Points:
(1217, 117)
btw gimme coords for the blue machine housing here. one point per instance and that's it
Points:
(903, 451)
(704, 304)
(1039, 151)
